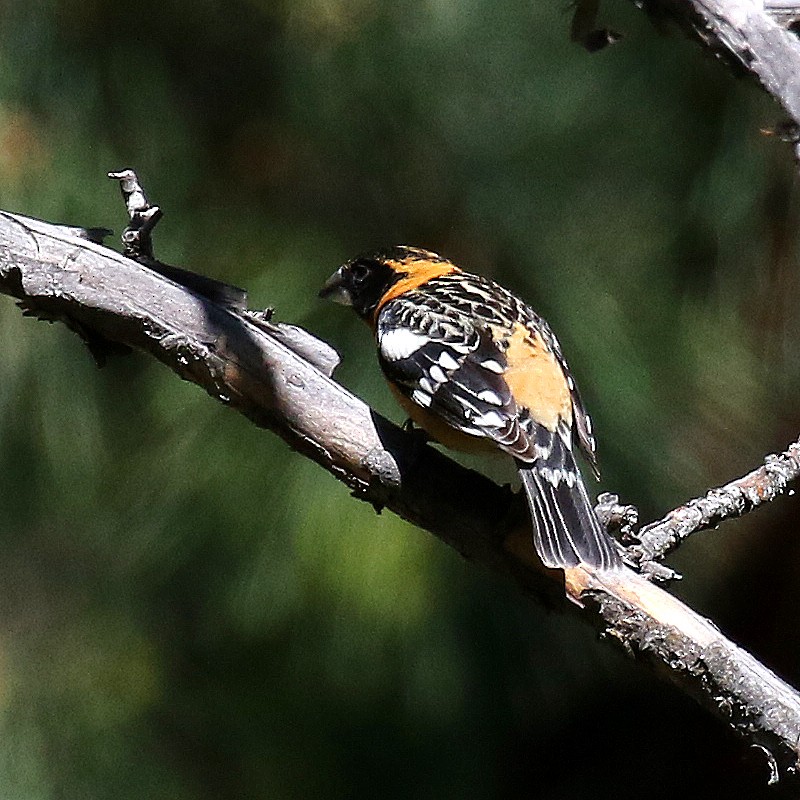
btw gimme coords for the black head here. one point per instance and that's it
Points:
(363, 281)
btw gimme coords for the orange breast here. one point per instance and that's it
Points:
(536, 379)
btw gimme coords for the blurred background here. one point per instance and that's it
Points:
(188, 609)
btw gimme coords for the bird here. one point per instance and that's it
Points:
(479, 371)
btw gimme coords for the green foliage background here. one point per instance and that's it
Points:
(189, 610)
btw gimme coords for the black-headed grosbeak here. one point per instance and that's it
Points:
(478, 369)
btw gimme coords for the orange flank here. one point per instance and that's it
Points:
(415, 272)
(536, 379)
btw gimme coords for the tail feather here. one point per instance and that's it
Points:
(566, 530)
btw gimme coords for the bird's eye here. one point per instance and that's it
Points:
(359, 272)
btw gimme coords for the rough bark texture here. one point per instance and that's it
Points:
(266, 371)
(738, 497)
(757, 40)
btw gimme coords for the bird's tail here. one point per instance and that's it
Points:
(566, 530)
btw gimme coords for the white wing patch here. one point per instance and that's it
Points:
(437, 373)
(554, 476)
(491, 419)
(421, 398)
(426, 386)
(446, 361)
(493, 366)
(488, 396)
(399, 343)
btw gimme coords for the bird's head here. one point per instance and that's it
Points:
(367, 281)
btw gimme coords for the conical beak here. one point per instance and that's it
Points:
(334, 289)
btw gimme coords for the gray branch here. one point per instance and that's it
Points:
(756, 37)
(269, 372)
(656, 540)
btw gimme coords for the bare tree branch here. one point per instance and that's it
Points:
(656, 540)
(262, 369)
(758, 40)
